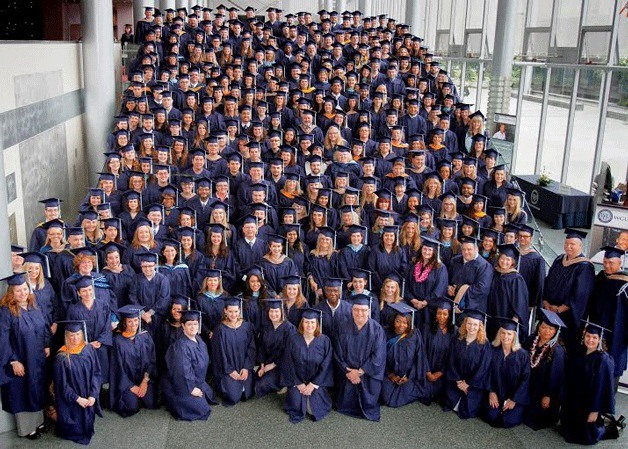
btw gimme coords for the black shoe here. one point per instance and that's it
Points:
(33, 436)
(44, 428)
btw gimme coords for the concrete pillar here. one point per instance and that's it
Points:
(503, 54)
(5, 243)
(166, 4)
(138, 9)
(341, 5)
(365, 7)
(413, 16)
(98, 77)
(182, 4)
(329, 5)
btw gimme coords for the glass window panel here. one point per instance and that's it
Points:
(540, 13)
(456, 35)
(599, 12)
(474, 45)
(595, 47)
(474, 13)
(616, 132)
(538, 43)
(567, 22)
(442, 43)
(529, 123)
(444, 14)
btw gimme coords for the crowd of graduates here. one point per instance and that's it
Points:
(304, 208)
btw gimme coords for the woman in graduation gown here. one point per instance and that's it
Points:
(509, 378)
(77, 380)
(589, 390)
(210, 301)
(120, 277)
(25, 336)
(406, 361)
(219, 256)
(439, 340)
(386, 257)
(132, 365)
(275, 264)
(275, 332)
(185, 392)
(508, 297)
(468, 367)
(178, 274)
(170, 330)
(35, 264)
(307, 370)
(547, 376)
(322, 261)
(233, 354)
(355, 254)
(426, 283)
(294, 299)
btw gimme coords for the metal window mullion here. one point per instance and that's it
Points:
(570, 119)
(583, 14)
(513, 161)
(483, 38)
(601, 126)
(612, 54)
(541, 139)
(553, 22)
(463, 76)
(478, 91)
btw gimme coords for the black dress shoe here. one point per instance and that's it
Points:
(44, 428)
(33, 436)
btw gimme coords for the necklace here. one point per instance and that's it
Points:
(534, 359)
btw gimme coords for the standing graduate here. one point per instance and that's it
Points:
(185, 392)
(468, 367)
(509, 378)
(177, 273)
(36, 265)
(387, 257)
(470, 277)
(170, 330)
(275, 264)
(132, 366)
(271, 346)
(547, 376)
(508, 297)
(531, 266)
(439, 340)
(569, 284)
(25, 336)
(609, 307)
(406, 361)
(589, 389)
(77, 381)
(360, 361)
(233, 354)
(307, 370)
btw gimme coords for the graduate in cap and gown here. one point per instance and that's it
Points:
(276, 264)
(24, 338)
(185, 392)
(52, 211)
(609, 307)
(334, 308)
(177, 273)
(531, 266)
(36, 265)
(387, 257)
(509, 377)
(271, 346)
(133, 367)
(589, 390)
(508, 297)
(470, 277)
(547, 375)
(569, 285)
(307, 369)
(439, 338)
(360, 362)
(170, 330)
(77, 381)
(467, 377)
(233, 354)
(406, 361)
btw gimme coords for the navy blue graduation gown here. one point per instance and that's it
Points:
(589, 388)
(322, 268)
(383, 263)
(47, 301)
(98, 323)
(299, 259)
(130, 359)
(271, 348)
(572, 286)
(366, 349)
(131, 255)
(228, 267)
(187, 362)
(478, 274)
(509, 379)
(546, 379)
(471, 363)
(168, 333)
(333, 319)
(274, 272)
(28, 336)
(446, 255)
(430, 290)
(178, 278)
(304, 364)
(153, 295)
(349, 259)
(212, 308)
(437, 347)
(233, 350)
(609, 308)
(532, 268)
(195, 260)
(76, 375)
(247, 255)
(406, 357)
(508, 298)
(120, 284)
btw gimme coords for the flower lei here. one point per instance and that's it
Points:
(420, 274)
(534, 362)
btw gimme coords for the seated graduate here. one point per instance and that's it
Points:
(509, 377)
(233, 354)
(307, 369)
(132, 365)
(360, 361)
(271, 345)
(468, 367)
(77, 380)
(589, 389)
(185, 392)
(439, 340)
(406, 360)
(547, 377)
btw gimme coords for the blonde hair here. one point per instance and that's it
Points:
(415, 242)
(497, 342)
(442, 210)
(136, 242)
(318, 252)
(40, 281)
(397, 298)
(517, 210)
(481, 338)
